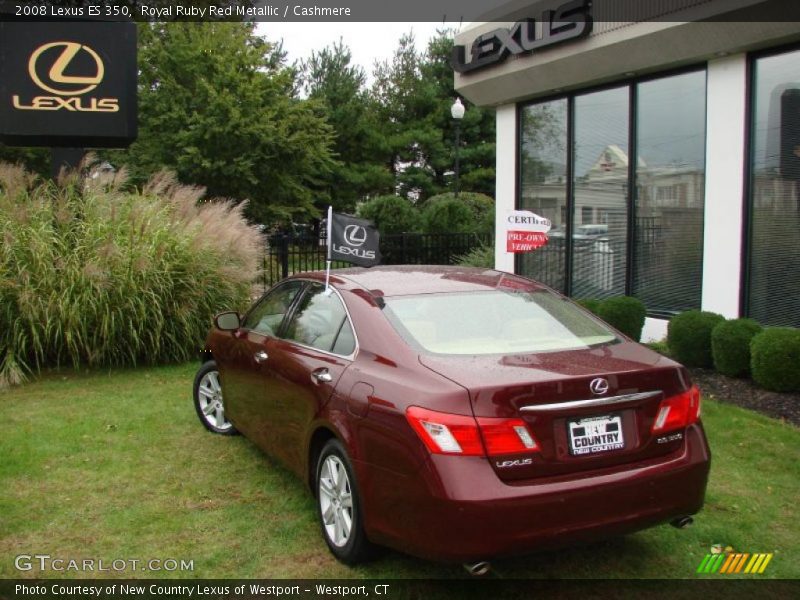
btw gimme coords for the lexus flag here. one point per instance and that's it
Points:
(353, 240)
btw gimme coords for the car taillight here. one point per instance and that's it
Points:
(445, 433)
(677, 412)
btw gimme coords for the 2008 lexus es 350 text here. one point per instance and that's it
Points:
(456, 414)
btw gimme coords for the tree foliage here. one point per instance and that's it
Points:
(413, 95)
(391, 214)
(338, 86)
(218, 105)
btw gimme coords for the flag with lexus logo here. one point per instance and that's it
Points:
(353, 240)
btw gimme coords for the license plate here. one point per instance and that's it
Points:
(595, 434)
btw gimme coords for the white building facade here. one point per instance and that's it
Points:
(665, 152)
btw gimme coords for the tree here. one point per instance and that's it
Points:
(391, 214)
(413, 96)
(338, 87)
(218, 105)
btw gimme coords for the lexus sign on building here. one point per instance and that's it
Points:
(68, 84)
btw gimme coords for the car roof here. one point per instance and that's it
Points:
(401, 280)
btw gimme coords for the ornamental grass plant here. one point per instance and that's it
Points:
(94, 273)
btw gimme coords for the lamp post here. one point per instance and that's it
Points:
(457, 112)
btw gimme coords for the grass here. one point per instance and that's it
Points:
(113, 464)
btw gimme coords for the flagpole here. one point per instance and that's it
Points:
(328, 261)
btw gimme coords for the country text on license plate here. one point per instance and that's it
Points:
(595, 434)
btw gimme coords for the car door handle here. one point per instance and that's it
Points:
(260, 356)
(322, 376)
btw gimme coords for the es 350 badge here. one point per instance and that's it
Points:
(68, 71)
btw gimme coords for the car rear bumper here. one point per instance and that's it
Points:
(459, 510)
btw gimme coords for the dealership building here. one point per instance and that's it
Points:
(664, 146)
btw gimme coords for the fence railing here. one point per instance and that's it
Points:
(288, 254)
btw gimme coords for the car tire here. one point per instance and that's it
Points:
(207, 394)
(339, 506)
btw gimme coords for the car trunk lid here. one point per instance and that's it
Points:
(578, 425)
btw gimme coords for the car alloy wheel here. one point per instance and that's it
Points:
(335, 501)
(339, 507)
(208, 400)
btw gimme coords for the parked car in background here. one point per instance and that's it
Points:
(588, 232)
(456, 414)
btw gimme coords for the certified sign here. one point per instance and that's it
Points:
(525, 231)
(68, 84)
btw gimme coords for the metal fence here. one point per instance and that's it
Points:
(287, 253)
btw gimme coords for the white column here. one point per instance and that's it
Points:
(726, 119)
(505, 180)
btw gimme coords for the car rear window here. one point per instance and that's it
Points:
(495, 322)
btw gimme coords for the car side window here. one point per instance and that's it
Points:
(266, 317)
(320, 321)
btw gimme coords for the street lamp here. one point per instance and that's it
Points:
(457, 112)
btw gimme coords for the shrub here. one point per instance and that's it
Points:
(447, 215)
(625, 313)
(480, 206)
(391, 214)
(689, 337)
(482, 256)
(730, 346)
(91, 274)
(589, 304)
(775, 359)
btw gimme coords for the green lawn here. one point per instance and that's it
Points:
(115, 465)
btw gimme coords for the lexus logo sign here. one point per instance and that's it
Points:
(57, 72)
(355, 235)
(599, 386)
(69, 84)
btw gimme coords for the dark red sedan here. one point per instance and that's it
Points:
(456, 414)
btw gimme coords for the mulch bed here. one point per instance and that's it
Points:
(744, 393)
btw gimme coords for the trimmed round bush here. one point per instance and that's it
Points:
(590, 304)
(391, 214)
(92, 274)
(775, 359)
(689, 337)
(448, 215)
(625, 313)
(730, 346)
(480, 205)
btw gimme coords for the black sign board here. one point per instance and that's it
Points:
(68, 84)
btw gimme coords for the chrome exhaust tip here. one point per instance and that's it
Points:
(682, 522)
(478, 569)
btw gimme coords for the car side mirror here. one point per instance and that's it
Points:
(227, 321)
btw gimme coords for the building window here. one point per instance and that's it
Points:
(594, 250)
(543, 187)
(773, 274)
(600, 161)
(670, 148)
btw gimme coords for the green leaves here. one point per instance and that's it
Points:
(90, 274)
(217, 105)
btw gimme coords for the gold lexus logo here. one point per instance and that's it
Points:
(57, 73)
(68, 70)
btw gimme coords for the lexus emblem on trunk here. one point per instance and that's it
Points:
(599, 386)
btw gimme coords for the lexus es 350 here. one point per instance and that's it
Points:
(456, 414)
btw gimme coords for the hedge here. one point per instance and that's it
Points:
(730, 346)
(775, 359)
(689, 337)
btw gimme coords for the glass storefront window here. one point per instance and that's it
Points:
(773, 285)
(543, 186)
(670, 192)
(600, 226)
(668, 167)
